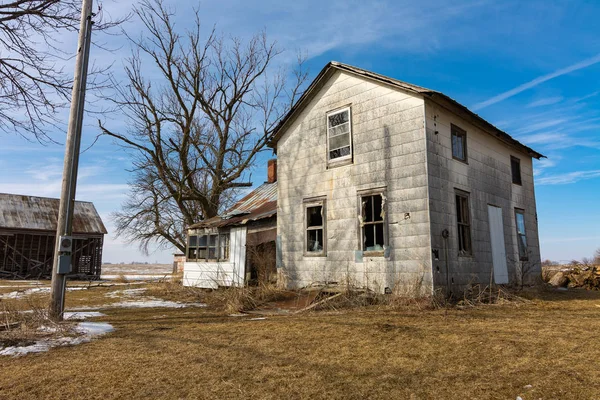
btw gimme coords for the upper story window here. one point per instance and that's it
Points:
(521, 237)
(463, 220)
(339, 135)
(515, 167)
(373, 231)
(459, 143)
(209, 247)
(315, 228)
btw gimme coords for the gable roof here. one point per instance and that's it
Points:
(259, 204)
(41, 214)
(432, 95)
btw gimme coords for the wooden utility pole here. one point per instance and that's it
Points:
(63, 259)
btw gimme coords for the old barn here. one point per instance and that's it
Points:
(28, 232)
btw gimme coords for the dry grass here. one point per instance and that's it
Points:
(481, 352)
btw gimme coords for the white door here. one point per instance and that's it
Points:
(497, 240)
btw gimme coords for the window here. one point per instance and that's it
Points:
(210, 247)
(515, 166)
(315, 228)
(373, 230)
(459, 143)
(521, 237)
(463, 220)
(339, 135)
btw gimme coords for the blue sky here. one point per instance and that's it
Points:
(531, 68)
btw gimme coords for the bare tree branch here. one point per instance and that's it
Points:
(195, 130)
(33, 84)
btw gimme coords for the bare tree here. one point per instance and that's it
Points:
(33, 84)
(597, 256)
(196, 126)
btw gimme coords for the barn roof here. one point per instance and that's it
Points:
(437, 97)
(41, 214)
(259, 204)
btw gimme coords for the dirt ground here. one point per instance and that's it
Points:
(543, 349)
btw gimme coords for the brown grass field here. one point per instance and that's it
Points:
(406, 352)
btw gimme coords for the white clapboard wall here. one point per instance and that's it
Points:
(227, 273)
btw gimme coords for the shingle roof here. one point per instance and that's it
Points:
(259, 204)
(432, 95)
(41, 214)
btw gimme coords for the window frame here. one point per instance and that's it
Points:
(464, 196)
(207, 233)
(347, 158)
(525, 256)
(512, 171)
(458, 131)
(384, 222)
(309, 203)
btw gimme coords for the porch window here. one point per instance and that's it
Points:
(209, 247)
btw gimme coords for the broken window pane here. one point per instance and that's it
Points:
(212, 253)
(192, 253)
(224, 247)
(315, 240)
(373, 231)
(345, 151)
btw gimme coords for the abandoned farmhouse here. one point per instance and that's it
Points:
(28, 237)
(380, 184)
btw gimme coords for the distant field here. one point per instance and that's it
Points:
(136, 269)
(542, 349)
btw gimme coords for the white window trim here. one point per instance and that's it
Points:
(339, 111)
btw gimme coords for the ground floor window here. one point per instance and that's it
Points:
(373, 230)
(315, 228)
(463, 220)
(521, 237)
(208, 247)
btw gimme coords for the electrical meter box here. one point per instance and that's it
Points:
(64, 264)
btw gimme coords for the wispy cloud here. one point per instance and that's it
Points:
(537, 81)
(546, 101)
(569, 177)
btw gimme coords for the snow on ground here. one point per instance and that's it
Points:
(152, 302)
(77, 315)
(19, 294)
(86, 330)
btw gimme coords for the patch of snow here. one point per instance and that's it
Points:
(238, 315)
(125, 293)
(82, 314)
(152, 302)
(19, 294)
(88, 331)
(257, 319)
(48, 329)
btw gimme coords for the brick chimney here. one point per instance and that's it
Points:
(272, 171)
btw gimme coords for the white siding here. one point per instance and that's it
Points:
(389, 151)
(215, 274)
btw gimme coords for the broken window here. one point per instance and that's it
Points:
(463, 220)
(459, 143)
(209, 247)
(521, 237)
(515, 166)
(339, 135)
(315, 228)
(373, 222)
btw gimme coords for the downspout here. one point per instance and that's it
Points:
(445, 235)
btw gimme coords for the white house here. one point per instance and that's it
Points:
(390, 185)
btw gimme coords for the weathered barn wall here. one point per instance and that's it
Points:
(215, 274)
(487, 178)
(389, 151)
